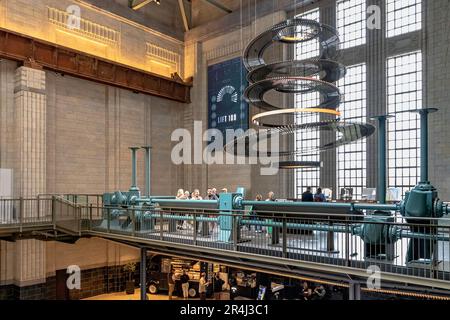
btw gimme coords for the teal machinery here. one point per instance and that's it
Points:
(378, 233)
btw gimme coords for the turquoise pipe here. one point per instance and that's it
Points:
(302, 226)
(424, 145)
(147, 170)
(188, 204)
(381, 184)
(354, 229)
(424, 142)
(133, 169)
(381, 192)
(178, 217)
(325, 205)
(150, 199)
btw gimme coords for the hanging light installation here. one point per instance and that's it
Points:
(296, 77)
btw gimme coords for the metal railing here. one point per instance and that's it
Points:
(330, 239)
(45, 210)
(79, 199)
(20, 211)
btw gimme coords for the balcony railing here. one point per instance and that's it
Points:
(326, 239)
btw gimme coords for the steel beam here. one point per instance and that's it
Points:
(183, 15)
(217, 4)
(38, 53)
(317, 267)
(354, 290)
(143, 273)
(139, 5)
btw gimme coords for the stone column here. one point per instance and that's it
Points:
(30, 180)
(31, 121)
(30, 262)
(328, 172)
(195, 174)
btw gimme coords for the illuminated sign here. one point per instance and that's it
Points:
(226, 85)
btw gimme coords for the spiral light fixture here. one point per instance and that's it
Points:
(297, 77)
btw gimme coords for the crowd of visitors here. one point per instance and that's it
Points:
(215, 287)
(211, 194)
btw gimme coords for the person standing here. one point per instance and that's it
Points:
(306, 291)
(202, 286)
(319, 196)
(196, 195)
(211, 195)
(217, 286)
(258, 227)
(214, 192)
(184, 279)
(319, 293)
(233, 286)
(270, 197)
(180, 194)
(307, 196)
(171, 282)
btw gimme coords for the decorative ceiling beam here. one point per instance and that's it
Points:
(132, 5)
(41, 54)
(183, 15)
(219, 5)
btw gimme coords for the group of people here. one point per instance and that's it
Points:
(211, 194)
(216, 282)
(270, 197)
(308, 196)
(316, 293)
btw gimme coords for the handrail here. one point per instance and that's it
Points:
(147, 223)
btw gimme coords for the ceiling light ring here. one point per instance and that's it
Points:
(323, 69)
(287, 112)
(295, 164)
(255, 93)
(358, 131)
(329, 41)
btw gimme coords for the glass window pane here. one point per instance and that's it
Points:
(351, 22)
(309, 177)
(351, 159)
(404, 92)
(403, 16)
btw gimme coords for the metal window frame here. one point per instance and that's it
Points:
(396, 147)
(344, 29)
(343, 170)
(394, 16)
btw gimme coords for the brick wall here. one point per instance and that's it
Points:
(102, 280)
(94, 282)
